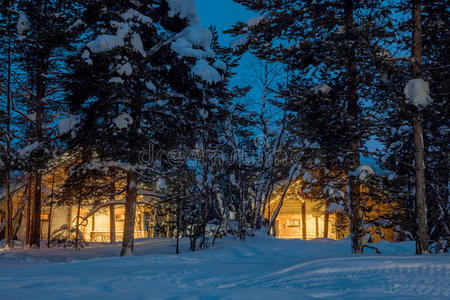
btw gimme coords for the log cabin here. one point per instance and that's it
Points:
(302, 217)
(98, 223)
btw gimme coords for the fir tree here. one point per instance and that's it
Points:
(142, 75)
(42, 29)
(328, 46)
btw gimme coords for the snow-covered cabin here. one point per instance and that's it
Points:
(302, 217)
(103, 224)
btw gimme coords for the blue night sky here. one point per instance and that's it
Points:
(225, 13)
(222, 13)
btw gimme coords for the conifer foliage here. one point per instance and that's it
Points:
(329, 47)
(142, 75)
(138, 97)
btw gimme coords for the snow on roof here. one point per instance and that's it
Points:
(207, 73)
(417, 92)
(185, 9)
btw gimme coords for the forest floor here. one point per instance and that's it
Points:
(259, 268)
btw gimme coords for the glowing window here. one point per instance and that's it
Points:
(293, 223)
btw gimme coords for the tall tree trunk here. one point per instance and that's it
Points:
(36, 217)
(178, 227)
(325, 225)
(419, 165)
(304, 220)
(49, 229)
(130, 215)
(317, 226)
(356, 231)
(112, 224)
(280, 204)
(17, 219)
(29, 179)
(93, 228)
(77, 226)
(9, 206)
(35, 234)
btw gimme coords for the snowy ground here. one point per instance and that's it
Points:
(260, 268)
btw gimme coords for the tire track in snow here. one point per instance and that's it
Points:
(388, 274)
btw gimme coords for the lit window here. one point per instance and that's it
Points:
(293, 223)
(44, 217)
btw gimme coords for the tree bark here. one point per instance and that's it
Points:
(356, 231)
(50, 213)
(112, 224)
(29, 205)
(317, 226)
(280, 204)
(93, 228)
(35, 234)
(36, 217)
(9, 206)
(419, 166)
(77, 226)
(130, 215)
(325, 225)
(177, 251)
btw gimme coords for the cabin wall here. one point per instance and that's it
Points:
(300, 218)
(97, 227)
(290, 226)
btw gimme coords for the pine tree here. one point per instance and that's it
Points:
(328, 46)
(43, 39)
(399, 135)
(435, 61)
(6, 39)
(142, 74)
